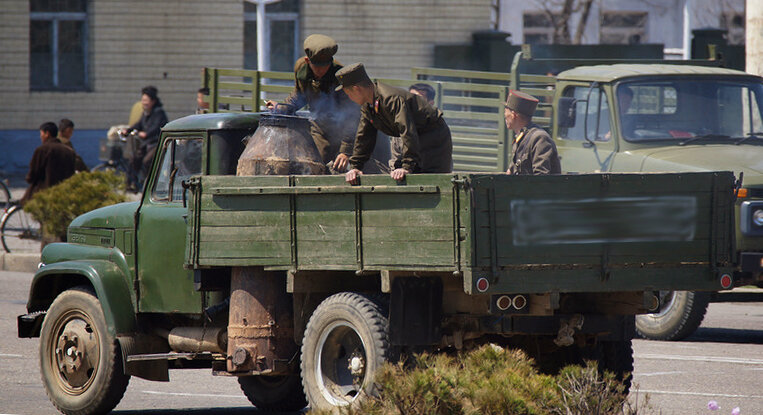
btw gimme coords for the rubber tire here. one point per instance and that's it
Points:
(274, 393)
(108, 383)
(616, 357)
(363, 315)
(685, 314)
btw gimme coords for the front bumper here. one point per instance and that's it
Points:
(751, 262)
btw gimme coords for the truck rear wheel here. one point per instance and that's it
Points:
(616, 357)
(80, 361)
(274, 393)
(679, 317)
(345, 344)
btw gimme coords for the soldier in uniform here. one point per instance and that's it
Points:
(534, 152)
(427, 146)
(335, 117)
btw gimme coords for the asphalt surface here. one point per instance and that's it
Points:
(722, 361)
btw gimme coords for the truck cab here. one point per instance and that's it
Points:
(663, 118)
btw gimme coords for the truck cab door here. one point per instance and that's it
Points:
(588, 145)
(164, 285)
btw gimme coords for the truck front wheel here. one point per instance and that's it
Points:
(80, 361)
(345, 344)
(274, 393)
(679, 316)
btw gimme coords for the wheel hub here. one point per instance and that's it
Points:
(341, 364)
(76, 353)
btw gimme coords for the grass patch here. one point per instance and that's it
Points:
(491, 380)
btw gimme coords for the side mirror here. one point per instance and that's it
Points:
(566, 112)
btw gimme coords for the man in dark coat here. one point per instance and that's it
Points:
(65, 132)
(533, 150)
(335, 117)
(52, 162)
(426, 140)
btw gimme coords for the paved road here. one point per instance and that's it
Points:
(723, 361)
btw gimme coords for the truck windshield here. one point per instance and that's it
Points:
(690, 110)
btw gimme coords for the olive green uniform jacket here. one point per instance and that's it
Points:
(426, 141)
(335, 117)
(534, 152)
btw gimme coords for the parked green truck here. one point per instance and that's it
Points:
(302, 286)
(661, 118)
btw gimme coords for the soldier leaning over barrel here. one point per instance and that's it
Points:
(427, 146)
(533, 150)
(335, 117)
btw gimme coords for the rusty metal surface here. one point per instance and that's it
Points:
(198, 339)
(261, 329)
(282, 145)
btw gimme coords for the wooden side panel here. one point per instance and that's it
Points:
(240, 229)
(325, 231)
(595, 219)
(412, 230)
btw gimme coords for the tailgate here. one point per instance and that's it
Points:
(602, 232)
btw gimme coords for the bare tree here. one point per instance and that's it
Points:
(560, 13)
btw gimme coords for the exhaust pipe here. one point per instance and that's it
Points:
(198, 339)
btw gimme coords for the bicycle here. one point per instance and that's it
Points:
(19, 232)
(5, 195)
(115, 153)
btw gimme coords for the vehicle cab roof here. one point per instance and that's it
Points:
(611, 73)
(214, 121)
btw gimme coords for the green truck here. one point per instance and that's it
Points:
(681, 116)
(302, 286)
(663, 118)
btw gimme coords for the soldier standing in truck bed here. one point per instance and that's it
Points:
(533, 150)
(335, 118)
(427, 146)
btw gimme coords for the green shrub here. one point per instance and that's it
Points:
(56, 206)
(493, 380)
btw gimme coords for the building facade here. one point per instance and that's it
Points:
(624, 21)
(87, 60)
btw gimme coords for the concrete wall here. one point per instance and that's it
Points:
(132, 43)
(391, 36)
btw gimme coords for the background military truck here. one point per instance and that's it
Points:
(684, 116)
(659, 118)
(302, 286)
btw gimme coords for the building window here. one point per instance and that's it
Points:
(623, 28)
(58, 33)
(734, 23)
(282, 30)
(537, 28)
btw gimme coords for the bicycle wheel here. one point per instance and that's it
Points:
(19, 232)
(5, 196)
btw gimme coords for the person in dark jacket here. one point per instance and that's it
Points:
(533, 150)
(148, 127)
(427, 145)
(65, 132)
(334, 117)
(52, 162)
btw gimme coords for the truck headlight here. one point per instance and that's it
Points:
(757, 217)
(751, 218)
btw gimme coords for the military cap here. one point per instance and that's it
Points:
(320, 49)
(351, 75)
(522, 103)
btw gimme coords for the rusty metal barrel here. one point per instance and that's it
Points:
(261, 319)
(282, 145)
